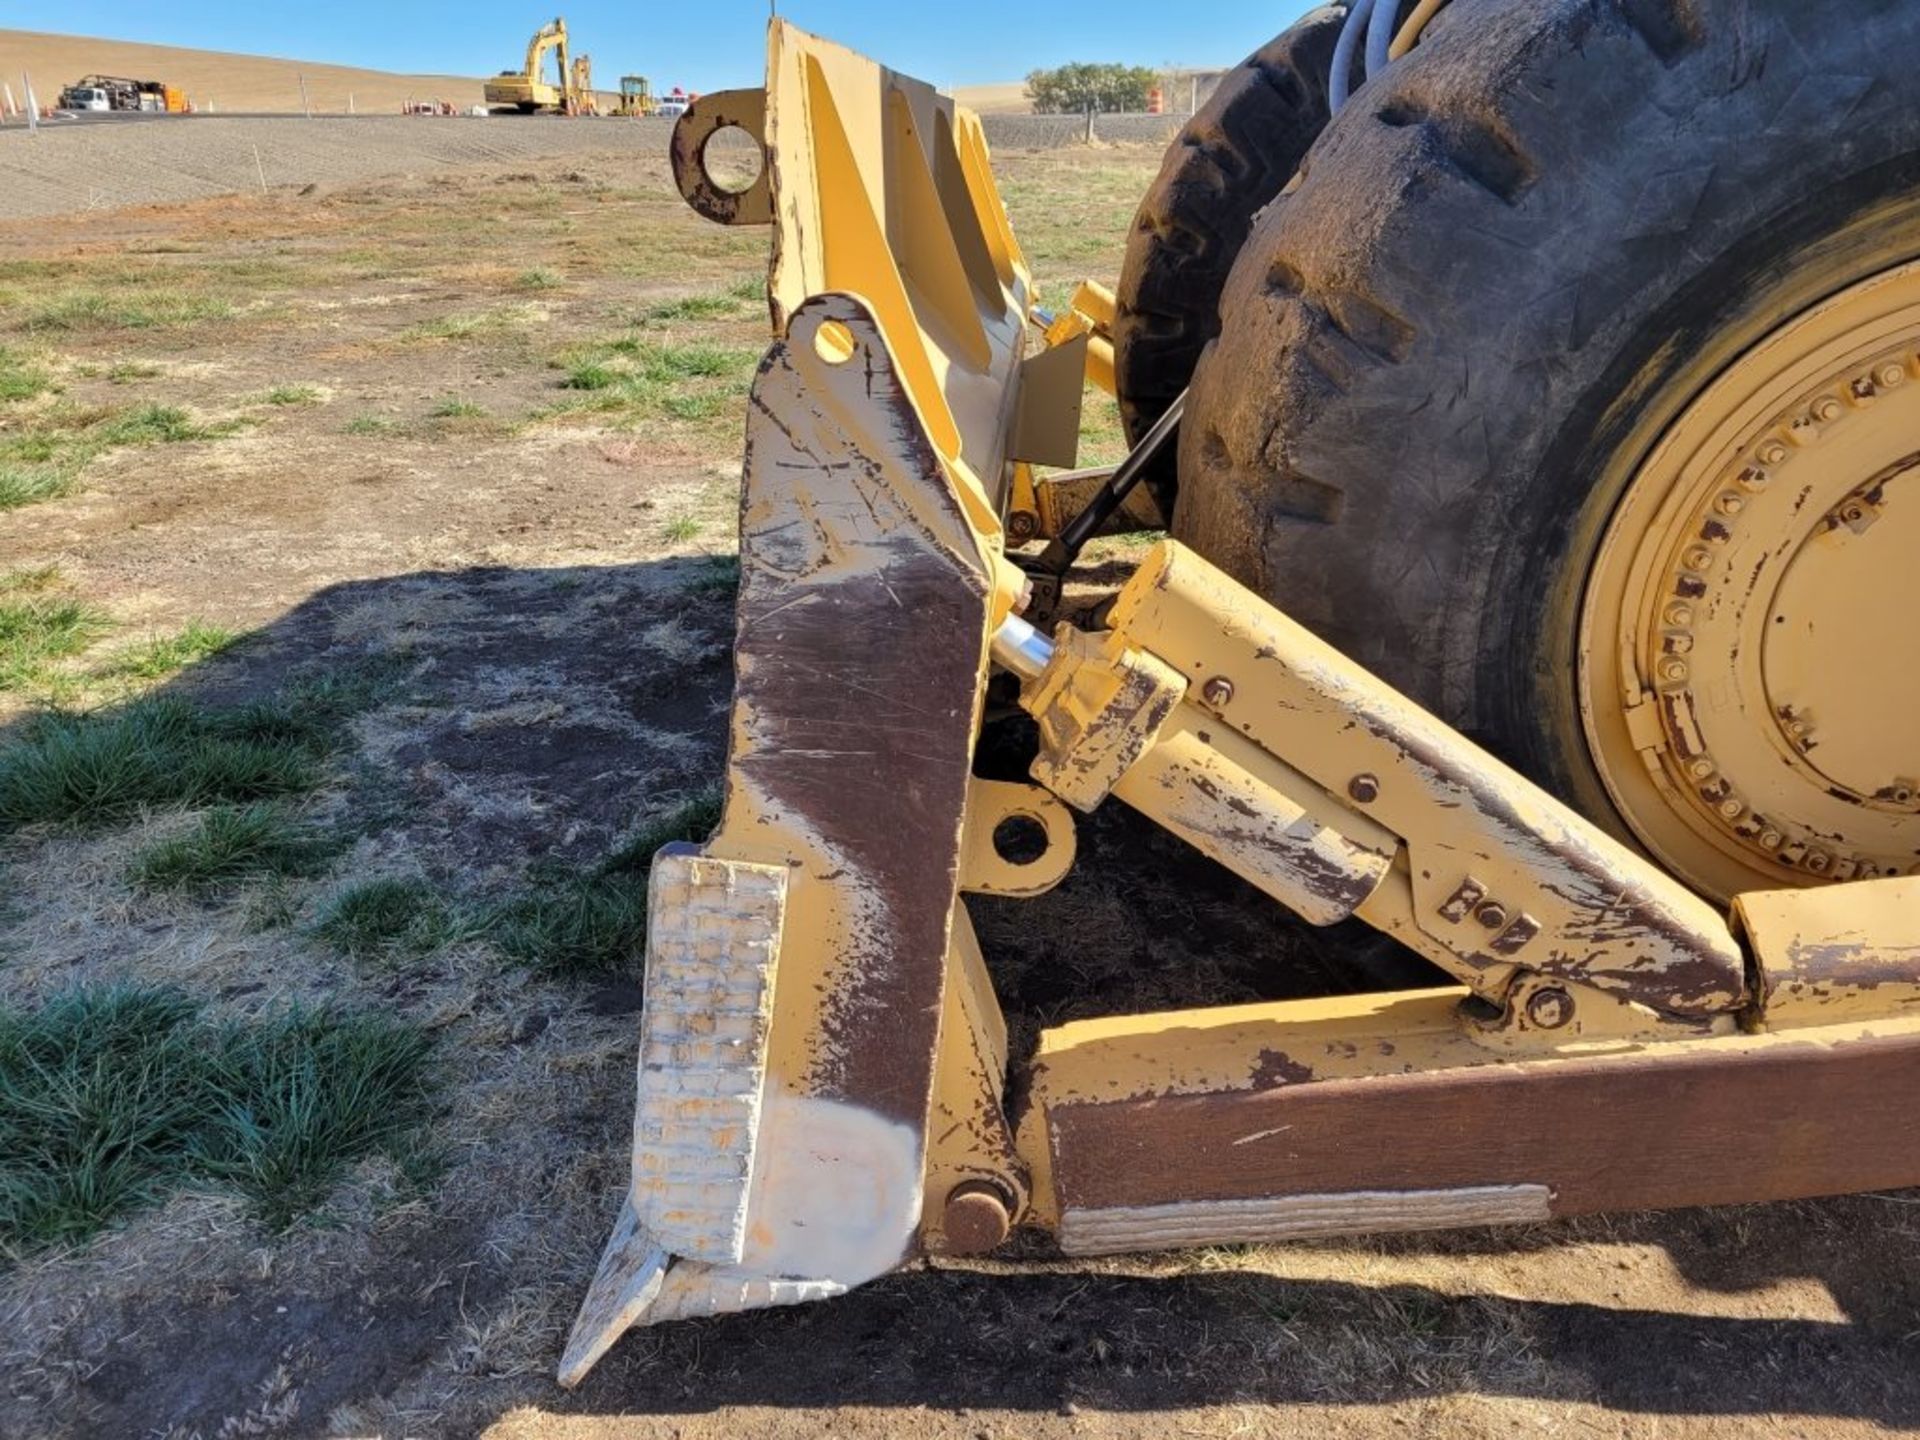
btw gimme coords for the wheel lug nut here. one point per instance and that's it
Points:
(1827, 409)
(1888, 376)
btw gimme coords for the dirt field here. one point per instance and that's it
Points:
(476, 434)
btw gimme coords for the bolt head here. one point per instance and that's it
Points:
(1731, 504)
(1827, 409)
(1681, 615)
(1364, 789)
(1674, 670)
(1888, 376)
(1771, 839)
(1700, 769)
(1819, 863)
(1022, 526)
(1218, 691)
(1549, 1009)
(1493, 915)
(1774, 453)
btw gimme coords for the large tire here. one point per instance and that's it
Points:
(1228, 162)
(1512, 260)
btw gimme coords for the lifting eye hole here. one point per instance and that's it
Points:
(732, 160)
(833, 342)
(1020, 840)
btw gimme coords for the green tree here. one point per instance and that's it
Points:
(1076, 89)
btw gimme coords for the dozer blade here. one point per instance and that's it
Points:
(824, 1077)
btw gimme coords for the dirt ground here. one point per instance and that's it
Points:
(548, 577)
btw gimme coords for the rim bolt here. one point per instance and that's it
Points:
(1700, 769)
(1680, 615)
(1493, 915)
(1819, 863)
(1699, 558)
(1890, 375)
(1731, 504)
(1364, 789)
(1674, 670)
(1732, 809)
(1827, 409)
(1770, 839)
(1773, 453)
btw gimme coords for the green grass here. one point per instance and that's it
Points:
(736, 299)
(455, 408)
(303, 1096)
(111, 1097)
(536, 279)
(43, 460)
(86, 311)
(231, 843)
(391, 918)
(590, 924)
(291, 395)
(20, 379)
(108, 765)
(680, 529)
(165, 655)
(128, 371)
(476, 325)
(648, 378)
(370, 425)
(38, 628)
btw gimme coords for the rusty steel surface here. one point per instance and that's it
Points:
(1747, 705)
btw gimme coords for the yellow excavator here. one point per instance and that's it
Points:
(1530, 393)
(527, 89)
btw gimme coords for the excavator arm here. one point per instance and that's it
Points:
(825, 1089)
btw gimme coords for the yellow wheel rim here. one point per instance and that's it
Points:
(1749, 665)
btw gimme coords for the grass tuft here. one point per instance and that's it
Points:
(538, 278)
(230, 843)
(680, 529)
(166, 655)
(370, 425)
(291, 395)
(20, 379)
(37, 629)
(587, 925)
(455, 408)
(97, 768)
(389, 919)
(299, 1098)
(109, 1097)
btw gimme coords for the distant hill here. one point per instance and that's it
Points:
(225, 82)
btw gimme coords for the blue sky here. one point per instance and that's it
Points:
(703, 45)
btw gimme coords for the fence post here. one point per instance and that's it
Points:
(33, 105)
(1089, 139)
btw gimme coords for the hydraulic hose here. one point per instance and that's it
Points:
(1416, 24)
(1340, 83)
(1380, 28)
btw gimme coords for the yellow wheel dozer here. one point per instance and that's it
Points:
(1532, 425)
